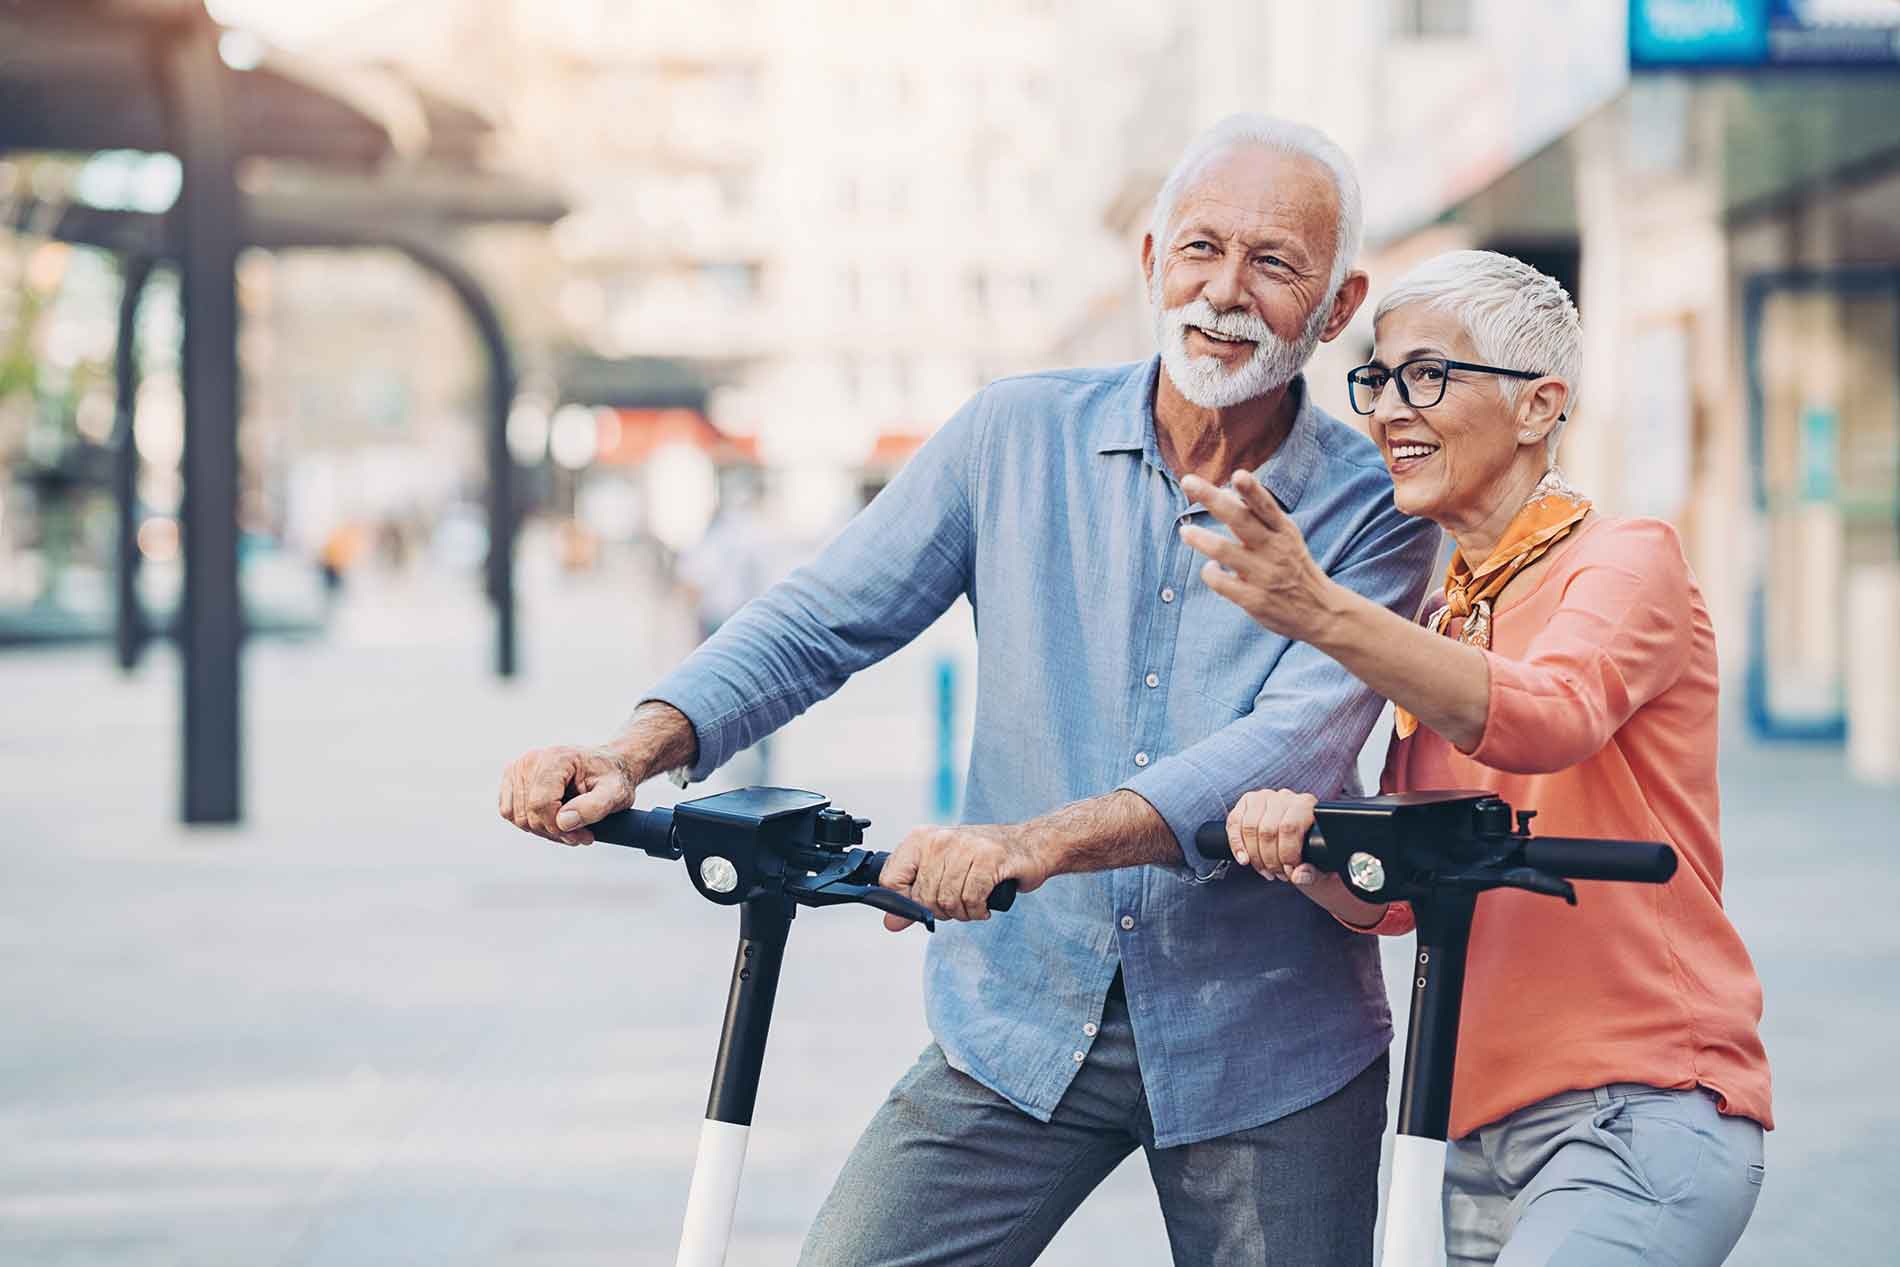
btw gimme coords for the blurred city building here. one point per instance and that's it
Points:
(800, 234)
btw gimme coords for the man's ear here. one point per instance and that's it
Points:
(1541, 408)
(1351, 293)
(1148, 265)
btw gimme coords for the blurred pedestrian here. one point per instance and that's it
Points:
(734, 563)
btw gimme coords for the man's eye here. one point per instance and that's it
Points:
(1273, 261)
(1199, 246)
(1428, 373)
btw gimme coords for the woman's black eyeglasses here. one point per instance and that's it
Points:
(1421, 381)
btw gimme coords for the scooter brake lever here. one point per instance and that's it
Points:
(1535, 881)
(894, 903)
(837, 884)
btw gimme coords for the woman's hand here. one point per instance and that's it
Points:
(1265, 569)
(1267, 831)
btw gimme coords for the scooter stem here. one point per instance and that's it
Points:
(764, 924)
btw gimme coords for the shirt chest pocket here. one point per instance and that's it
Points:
(1221, 652)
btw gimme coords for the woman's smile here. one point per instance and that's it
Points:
(1403, 457)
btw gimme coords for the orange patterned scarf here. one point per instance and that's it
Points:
(1552, 513)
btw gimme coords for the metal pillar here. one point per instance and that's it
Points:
(128, 627)
(210, 620)
(502, 517)
(503, 512)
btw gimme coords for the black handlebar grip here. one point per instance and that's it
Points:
(1635, 861)
(1002, 897)
(1211, 839)
(649, 829)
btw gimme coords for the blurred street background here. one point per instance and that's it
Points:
(509, 345)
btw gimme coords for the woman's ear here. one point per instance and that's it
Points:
(1541, 408)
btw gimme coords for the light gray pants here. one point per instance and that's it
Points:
(1624, 1174)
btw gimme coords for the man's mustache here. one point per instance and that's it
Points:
(1235, 323)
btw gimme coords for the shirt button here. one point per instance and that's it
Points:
(1089, 1029)
(1128, 921)
(1141, 758)
(1153, 680)
(1167, 594)
(1081, 1056)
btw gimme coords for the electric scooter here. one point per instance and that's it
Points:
(1439, 851)
(770, 850)
(767, 851)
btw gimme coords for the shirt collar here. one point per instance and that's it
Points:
(1127, 425)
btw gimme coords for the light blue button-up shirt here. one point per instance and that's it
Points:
(1104, 662)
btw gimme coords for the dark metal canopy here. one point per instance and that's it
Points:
(83, 75)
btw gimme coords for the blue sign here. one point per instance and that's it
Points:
(1751, 34)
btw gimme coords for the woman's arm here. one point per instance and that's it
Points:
(1620, 638)
(1267, 571)
(1443, 682)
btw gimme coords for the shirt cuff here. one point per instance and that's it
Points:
(1185, 798)
(715, 734)
(1396, 922)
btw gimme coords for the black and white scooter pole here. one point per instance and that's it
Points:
(1439, 850)
(1414, 1209)
(767, 851)
(764, 924)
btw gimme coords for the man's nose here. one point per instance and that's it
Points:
(1226, 290)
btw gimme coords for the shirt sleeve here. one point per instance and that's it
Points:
(1620, 637)
(1311, 716)
(894, 569)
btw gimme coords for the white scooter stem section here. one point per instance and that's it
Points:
(1414, 1209)
(715, 1191)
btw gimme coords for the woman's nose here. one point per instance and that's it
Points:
(1389, 406)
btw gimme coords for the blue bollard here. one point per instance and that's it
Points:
(946, 806)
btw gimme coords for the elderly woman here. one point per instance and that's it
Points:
(1611, 1088)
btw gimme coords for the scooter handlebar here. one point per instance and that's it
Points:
(1002, 897)
(1633, 861)
(648, 829)
(1211, 839)
(1630, 861)
(652, 830)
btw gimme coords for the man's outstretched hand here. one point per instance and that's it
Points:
(951, 870)
(556, 793)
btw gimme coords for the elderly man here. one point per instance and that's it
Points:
(1143, 996)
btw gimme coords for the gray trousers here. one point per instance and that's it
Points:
(1624, 1174)
(949, 1172)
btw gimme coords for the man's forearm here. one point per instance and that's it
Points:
(658, 737)
(1104, 832)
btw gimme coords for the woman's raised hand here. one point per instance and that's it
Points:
(1265, 568)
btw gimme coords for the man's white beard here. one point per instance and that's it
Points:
(1205, 380)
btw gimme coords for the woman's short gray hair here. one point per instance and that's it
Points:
(1238, 130)
(1517, 317)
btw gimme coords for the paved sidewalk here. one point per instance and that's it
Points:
(376, 1026)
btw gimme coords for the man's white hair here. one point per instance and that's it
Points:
(1517, 317)
(1266, 132)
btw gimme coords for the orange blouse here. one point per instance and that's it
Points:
(1602, 718)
